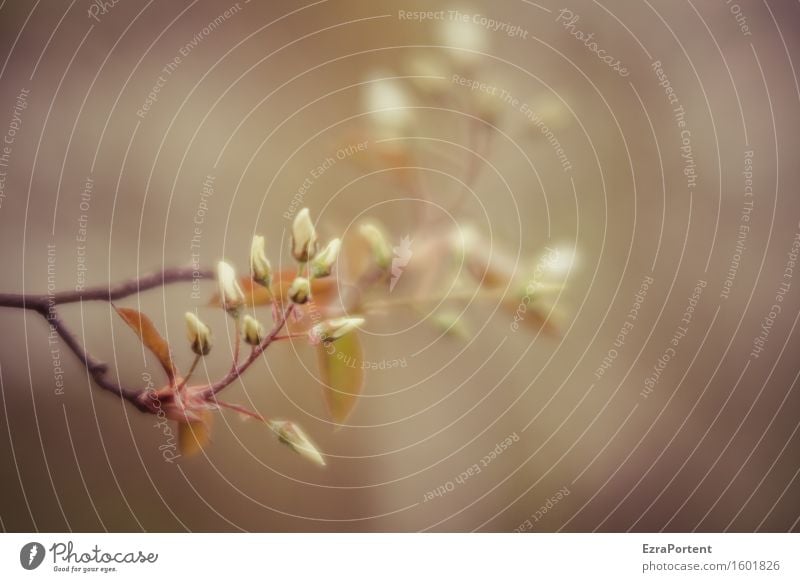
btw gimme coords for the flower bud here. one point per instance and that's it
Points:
(198, 333)
(323, 263)
(388, 104)
(304, 237)
(260, 268)
(300, 290)
(465, 40)
(293, 436)
(231, 293)
(381, 251)
(333, 329)
(252, 331)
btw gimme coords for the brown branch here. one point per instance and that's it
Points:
(46, 304)
(108, 293)
(95, 367)
(237, 371)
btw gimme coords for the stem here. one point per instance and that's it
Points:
(237, 325)
(189, 373)
(237, 371)
(463, 296)
(104, 293)
(473, 167)
(241, 410)
(95, 367)
(290, 336)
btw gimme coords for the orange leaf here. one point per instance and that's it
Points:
(341, 373)
(535, 317)
(321, 289)
(194, 436)
(149, 336)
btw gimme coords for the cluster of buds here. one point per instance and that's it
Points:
(232, 299)
(305, 251)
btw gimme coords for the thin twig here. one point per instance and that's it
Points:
(237, 328)
(231, 376)
(189, 373)
(45, 305)
(241, 410)
(104, 293)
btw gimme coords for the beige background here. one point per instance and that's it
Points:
(83, 461)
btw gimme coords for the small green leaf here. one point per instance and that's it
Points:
(342, 375)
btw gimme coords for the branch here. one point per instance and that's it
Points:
(108, 293)
(94, 366)
(237, 371)
(46, 304)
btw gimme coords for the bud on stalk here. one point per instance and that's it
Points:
(293, 436)
(198, 333)
(304, 237)
(381, 251)
(322, 264)
(260, 268)
(300, 290)
(252, 331)
(231, 293)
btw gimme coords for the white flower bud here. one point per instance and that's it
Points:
(304, 237)
(252, 331)
(293, 436)
(389, 104)
(300, 290)
(333, 329)
(198, 333)
(260, 268)
(231, 293)
(381, 251)
(323, 263)
(457, 34)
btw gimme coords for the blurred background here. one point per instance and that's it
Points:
(635, 163)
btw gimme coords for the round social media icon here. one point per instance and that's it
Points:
(31, 555)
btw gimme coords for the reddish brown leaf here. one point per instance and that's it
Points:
(149, 336)
(194, 436)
